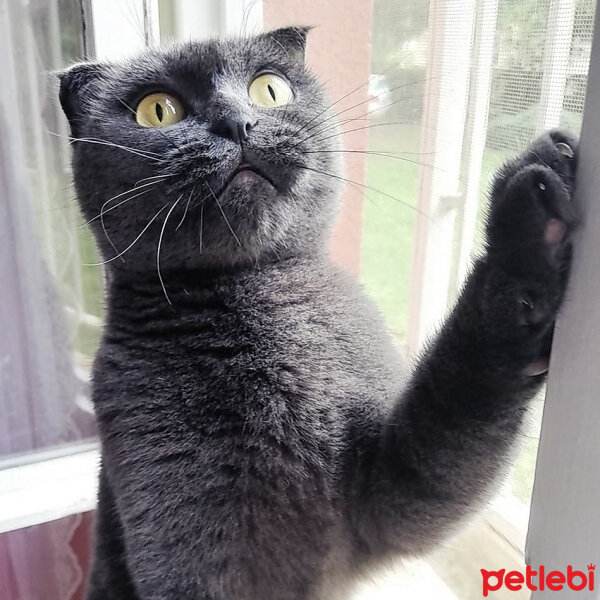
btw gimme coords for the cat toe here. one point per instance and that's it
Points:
(555, 232)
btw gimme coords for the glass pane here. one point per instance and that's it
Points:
(397, 85)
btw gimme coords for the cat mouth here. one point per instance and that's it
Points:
(246, 175)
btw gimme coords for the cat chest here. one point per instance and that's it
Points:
(254, 394)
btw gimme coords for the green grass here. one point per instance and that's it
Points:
(388, 225)
(91, 276)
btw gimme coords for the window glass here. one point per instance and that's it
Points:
(477, 80)
(396, 87)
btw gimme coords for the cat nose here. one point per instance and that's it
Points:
(235, 129)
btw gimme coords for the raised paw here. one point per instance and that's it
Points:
(532, 213)
(529, 234)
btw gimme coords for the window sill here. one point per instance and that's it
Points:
(47, 490)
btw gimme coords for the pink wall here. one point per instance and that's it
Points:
(339, 53)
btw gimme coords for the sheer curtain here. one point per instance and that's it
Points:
(41, 394)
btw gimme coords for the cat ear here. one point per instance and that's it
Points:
(74, 83)
(292, 40)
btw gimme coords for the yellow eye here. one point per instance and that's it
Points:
(270, 91)
(159, 110)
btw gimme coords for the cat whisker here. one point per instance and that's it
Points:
(104, 262)
(160, 238)
(187, 206)
(102, 213)
(339, 134)
(142, 153)
(114, 247)
(353, 91)
(304, 127)
(155, 156)
(152, 177)
(335, 124)
(369, 99)
(366, 187)
(133, 189)
(237, 239)
(375, 153)
(337, 115)
(388, 153)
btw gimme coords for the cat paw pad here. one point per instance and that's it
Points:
(532, 213)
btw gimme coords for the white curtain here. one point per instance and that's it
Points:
(41, 397)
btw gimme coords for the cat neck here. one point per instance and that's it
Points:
(185, 289)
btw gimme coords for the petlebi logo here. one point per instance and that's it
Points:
(541, 579)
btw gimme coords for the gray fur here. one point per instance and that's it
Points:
(261, 438)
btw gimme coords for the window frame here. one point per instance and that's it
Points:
(564, 524)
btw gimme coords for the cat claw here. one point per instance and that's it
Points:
(565, 150)
(538, 367)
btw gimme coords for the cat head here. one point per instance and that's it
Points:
(204, 154)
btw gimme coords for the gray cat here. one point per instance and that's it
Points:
(261, 438)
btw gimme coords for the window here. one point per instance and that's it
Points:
(466, 86)
(432, 97)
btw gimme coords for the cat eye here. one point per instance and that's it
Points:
(159, 110)
(270, 91)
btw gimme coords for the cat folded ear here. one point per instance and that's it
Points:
(74, 84)
(292, 40)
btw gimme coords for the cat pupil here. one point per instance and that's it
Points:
(159, 111)
(272, 92)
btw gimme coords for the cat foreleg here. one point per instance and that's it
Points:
(433, 457)
(109, 577)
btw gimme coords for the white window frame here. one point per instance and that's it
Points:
(52, 485)
(564, 526)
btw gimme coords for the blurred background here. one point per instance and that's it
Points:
(432, 97)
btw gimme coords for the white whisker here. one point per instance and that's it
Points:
(114, 247)
(104, 212)
(160, 238)
(187, 206)
(153, 177)
(155, 156)
(130, 245)
(237, 239)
